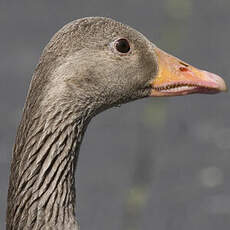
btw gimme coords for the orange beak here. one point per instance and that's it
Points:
(175, 78)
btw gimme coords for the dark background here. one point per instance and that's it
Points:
(152, 164)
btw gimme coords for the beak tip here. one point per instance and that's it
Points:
(219, 81)
(222, 85)
(225, 89)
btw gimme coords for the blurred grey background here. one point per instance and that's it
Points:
(159, 163)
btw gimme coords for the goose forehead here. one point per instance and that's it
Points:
(92, 32)
(99, 27)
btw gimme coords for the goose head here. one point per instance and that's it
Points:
(102, 62)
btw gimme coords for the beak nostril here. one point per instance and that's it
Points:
(184, 64)
(183, 69)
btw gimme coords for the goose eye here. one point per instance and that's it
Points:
(122, 45)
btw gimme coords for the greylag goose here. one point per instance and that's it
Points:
(89, 65)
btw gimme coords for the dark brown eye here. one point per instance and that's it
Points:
(122, 45)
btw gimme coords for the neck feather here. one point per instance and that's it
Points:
(42, 183)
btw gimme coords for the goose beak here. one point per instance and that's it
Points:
(176, 78)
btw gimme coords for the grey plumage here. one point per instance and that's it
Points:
(81, 73)
(78, 75)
